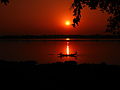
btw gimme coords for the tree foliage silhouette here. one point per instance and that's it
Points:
(110, 6)
(4, 1)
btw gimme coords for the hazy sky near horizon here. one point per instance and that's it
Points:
(44, 17)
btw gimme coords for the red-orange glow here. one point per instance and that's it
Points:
(68, 50)
(49, 17)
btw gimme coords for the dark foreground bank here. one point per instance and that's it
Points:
(59, 75)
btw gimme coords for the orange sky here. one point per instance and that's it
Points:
(23, 17)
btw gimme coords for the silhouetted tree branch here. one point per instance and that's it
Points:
(110, 6)
(4, 1)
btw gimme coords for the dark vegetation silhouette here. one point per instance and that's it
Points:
(4, 1)
(110, 6)
(66, 74)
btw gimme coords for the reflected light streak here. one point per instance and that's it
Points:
(67, 50)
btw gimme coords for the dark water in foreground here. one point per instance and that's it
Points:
(45, 51)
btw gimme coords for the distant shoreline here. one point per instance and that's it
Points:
(107, 37)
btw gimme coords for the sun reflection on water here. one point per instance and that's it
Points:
(67, 49)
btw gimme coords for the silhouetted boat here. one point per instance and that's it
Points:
(67, 55)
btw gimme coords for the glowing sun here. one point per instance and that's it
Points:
(67, 23)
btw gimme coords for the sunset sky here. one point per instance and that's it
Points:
(46, 17)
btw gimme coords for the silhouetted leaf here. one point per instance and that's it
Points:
(5, 1)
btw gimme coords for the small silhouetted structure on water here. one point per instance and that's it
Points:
(67, 55)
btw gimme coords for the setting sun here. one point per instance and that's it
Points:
(67, 23)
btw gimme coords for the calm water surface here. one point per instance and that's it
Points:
(45, 51)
